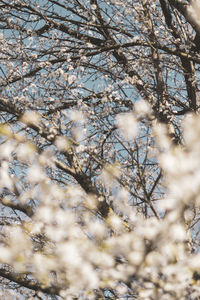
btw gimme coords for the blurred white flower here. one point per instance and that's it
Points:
(75, 194)
(36, 174)
(5, 178)
(5, 255)
(62, 143)
(193, 10)
(135, 257)
(127, 124)
(76, 116)
(191, 135)
(194, 261)
(115, 222)
(109, 173)
(146, 294)
(26, 151)
(31, 117)
(69, 253)
(56, 234)
(97, 229)
(160, 132)
(6, 150)
(46, 214)
(142, 108)
(177, 232)
(154, 258)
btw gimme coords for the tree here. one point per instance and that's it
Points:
(99, 153)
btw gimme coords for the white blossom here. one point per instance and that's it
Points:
(36, 174)
(142, 108)
(193, 9)
(76, 116)
(71, 79)
(127, 125)
(31, 118)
